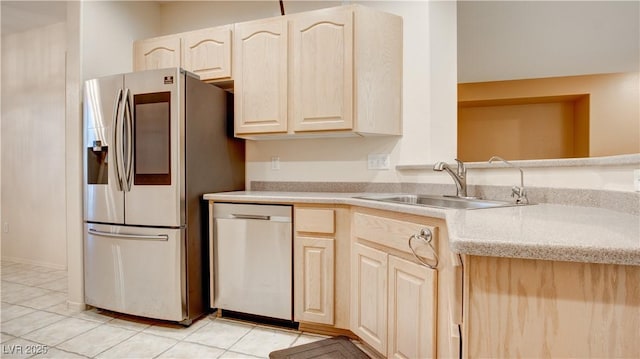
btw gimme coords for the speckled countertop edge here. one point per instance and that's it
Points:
(542, 231)
(323, 198)
(549, 232)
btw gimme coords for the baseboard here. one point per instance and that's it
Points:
(368, 350)
(35, 263)
(76, 306)
(325, 330)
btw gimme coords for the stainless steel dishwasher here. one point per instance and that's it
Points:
(252, 259)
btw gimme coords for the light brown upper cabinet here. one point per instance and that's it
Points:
(329, 72)
(260, 81)
(205, 52)
(156, 53)
(322, 69)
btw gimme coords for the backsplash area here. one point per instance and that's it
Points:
(627, 202)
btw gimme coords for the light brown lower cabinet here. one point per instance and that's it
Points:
(354, 274)
(393, 304)
(369, 296)
(412, 310)
(313, 273)
(547, 309)
(321, 253)
(393, 296)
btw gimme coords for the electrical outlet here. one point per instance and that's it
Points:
(275, 163)
(379, 161)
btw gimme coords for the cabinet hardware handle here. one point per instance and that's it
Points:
(426, 235)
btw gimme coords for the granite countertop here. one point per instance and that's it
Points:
(541, 231)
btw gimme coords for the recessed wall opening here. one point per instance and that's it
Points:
(524, 128)
(598, 112)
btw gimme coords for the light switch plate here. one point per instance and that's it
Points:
(379, 161)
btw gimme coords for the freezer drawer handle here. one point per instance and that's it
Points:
(159, 237)
(251, 216)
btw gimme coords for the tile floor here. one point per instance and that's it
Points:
(36, 323)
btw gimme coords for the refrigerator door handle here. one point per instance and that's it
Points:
(159, 237)
(122, 142)
(117, 139)
(128, 130)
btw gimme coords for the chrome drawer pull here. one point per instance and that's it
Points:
(426, 235)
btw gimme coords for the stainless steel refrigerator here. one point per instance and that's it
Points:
(154, 143)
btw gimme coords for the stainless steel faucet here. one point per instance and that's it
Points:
(459, 177)
(518, 192)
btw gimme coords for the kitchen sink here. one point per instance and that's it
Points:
(440, 201)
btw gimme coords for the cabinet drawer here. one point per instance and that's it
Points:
(314, 220)
(392, 233)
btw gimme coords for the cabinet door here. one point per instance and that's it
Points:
(260, 76)
(207, 52)
(313, 261)
(156, 53)
(412, 310)
(322, 50)
(369, 296)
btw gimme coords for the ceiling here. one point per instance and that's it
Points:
(19, 16)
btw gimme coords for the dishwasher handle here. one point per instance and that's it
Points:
(250, 216)
(252, 212)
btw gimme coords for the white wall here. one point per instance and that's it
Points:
(108, 31)
(180, 16)
(612, 178)
(503, 40)
(73, 160)
(600, 177)
(33, 146)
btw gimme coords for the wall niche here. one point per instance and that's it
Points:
(524, 128)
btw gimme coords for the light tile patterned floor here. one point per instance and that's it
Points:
(36, 323)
